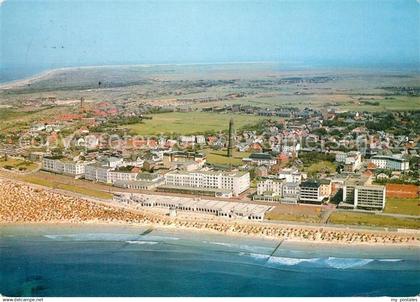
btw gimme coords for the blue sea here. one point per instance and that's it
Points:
(71, 261)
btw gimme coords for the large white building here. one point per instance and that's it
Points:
(144, 181)
(62, 166)
(236, 182)
(97, 172)
(290, 175)
(369, 197)
(390, 162)
(310, 191)
(116, 175)
(106, 174)
(359, 195)
(290, 192)
(269, 190)
(259, 159)
(352, 160)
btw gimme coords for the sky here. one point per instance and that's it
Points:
(46, 34)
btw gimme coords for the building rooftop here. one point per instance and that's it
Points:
(234, 173)
(261, 156)
(389, 157)
(147, 176)
(310, 184)
(324, 181)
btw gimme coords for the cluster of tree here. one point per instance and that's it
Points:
(259, 127)
(309, 158)
(382, 123)
(371, 103)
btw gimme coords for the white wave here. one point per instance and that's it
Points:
(259, 256)
(159, 238)
(56, 237)
(337, 263)
(254, 255)
(389, 260)
(222, 244)
(344, 263)
(142, 242)
(289, 261)
(92, 237)
(250, 248)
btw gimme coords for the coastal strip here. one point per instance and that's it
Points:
(22, 203)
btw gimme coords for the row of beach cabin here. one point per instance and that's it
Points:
(211, 207)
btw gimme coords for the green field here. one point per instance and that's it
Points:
(219, 157)
(408, 206)
(39, 180)
(321, 167)
(399, 103)
(190, 123)
(17, 119)
(365, 219)
(17, 164)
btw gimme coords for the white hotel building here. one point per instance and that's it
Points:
(390, 162)
(61, 166)
(236, 182)
(106, 174)
(370, 197)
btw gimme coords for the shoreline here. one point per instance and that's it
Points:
(288, 67)
(49, 72)
(22, 203)
(97, 224)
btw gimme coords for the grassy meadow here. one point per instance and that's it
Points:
(190, 123)
(407, 206)
(367, 219)
(219, 157)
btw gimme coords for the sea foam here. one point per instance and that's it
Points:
(289, 261)
(92, 237)
(246, 247)
(142, 242)
(343, 263)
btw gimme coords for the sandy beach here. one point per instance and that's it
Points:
(21, 203)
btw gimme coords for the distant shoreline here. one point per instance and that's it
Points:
(48, 72)
(288, 67)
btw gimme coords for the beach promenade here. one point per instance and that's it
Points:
(22, 203)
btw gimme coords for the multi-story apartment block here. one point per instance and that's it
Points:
(170, 158)
(261, 159)
(63, 166)
(340, 157)
(290, 175)
(144, 181)
(370, 197)
(53, 164)
(352, 160)
(97, 172)
(269, 189)
(106, 174)
(310, 191)
(116, 175)
(390, 162)
(236, 182)
(290, 192)
(325, 187)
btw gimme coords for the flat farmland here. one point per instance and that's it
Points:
(190, 123)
